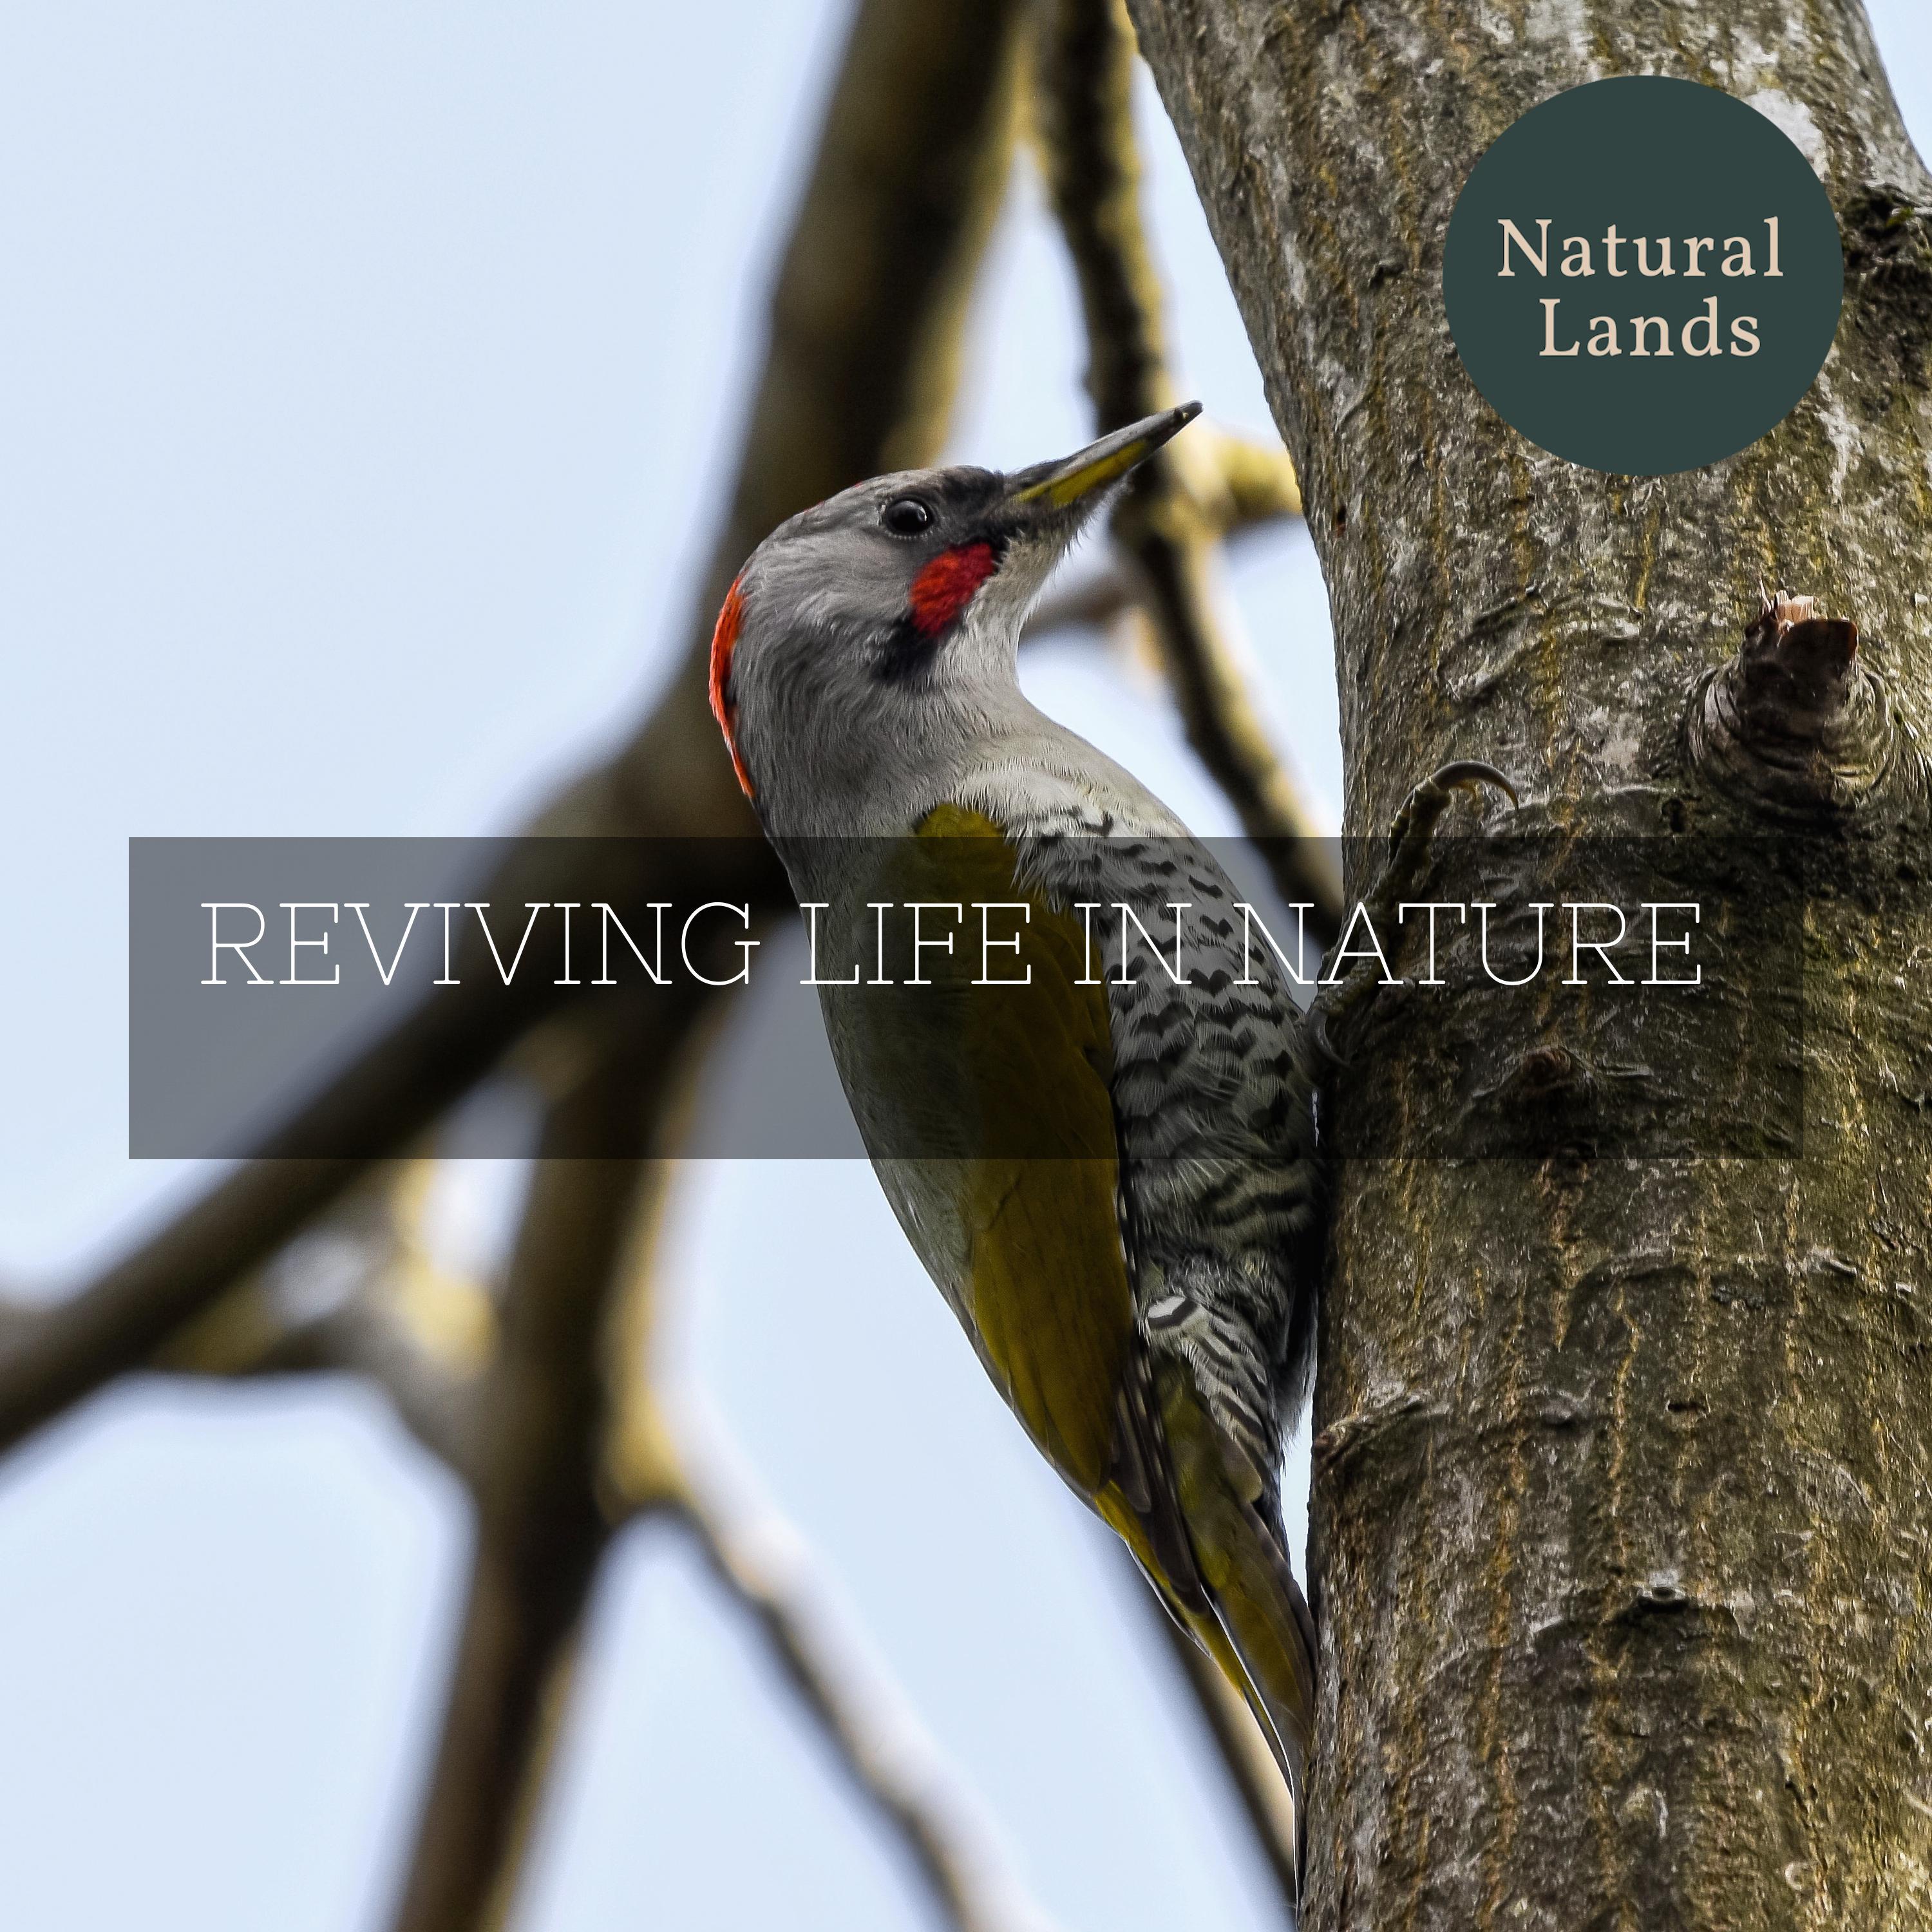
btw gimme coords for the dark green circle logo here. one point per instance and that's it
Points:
(1643, 275)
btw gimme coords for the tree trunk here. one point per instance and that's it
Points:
(1620, 1503)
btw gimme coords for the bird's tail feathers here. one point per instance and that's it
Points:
(1263, 1619)
(1195, 1511)
(1253, 1605)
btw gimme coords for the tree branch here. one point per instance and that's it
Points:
(359, 1294)
(760, 1563)
(1245, 486)
(1797, 719)
(1244, 1752)
(542, 1522)
(866, 320)
(659, 1464)
(1084, 75)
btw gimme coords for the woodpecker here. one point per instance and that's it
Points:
(1135, 1263)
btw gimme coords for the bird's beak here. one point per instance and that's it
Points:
(1059, 485)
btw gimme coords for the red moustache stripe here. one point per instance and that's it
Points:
(946, 586)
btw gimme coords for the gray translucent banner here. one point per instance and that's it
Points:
(1519, 998)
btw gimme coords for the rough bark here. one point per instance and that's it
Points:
(1622, 1481)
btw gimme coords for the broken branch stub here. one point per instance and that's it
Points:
(1799, 720)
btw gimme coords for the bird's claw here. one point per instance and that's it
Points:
(1324, 1048)
(1427, 801)
(1408, 837)
(1472, 775)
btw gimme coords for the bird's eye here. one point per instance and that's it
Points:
(906, 517)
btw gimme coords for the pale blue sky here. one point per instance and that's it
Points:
(370, 373)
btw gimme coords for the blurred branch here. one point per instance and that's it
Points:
(1166, 519)
(1250, 482)
(860, 371)
(759, 1562)
(1245, 1755)
(1166, 523)
(359, 1293)
(866, 320)
(1245, 485)
(884, 1754)
(541, 1524)
(1096, 600)
(660, 1465)
(65, 1350)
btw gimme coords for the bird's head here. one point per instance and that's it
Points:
(869, 637)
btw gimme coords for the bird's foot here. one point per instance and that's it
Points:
(1408, 838)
